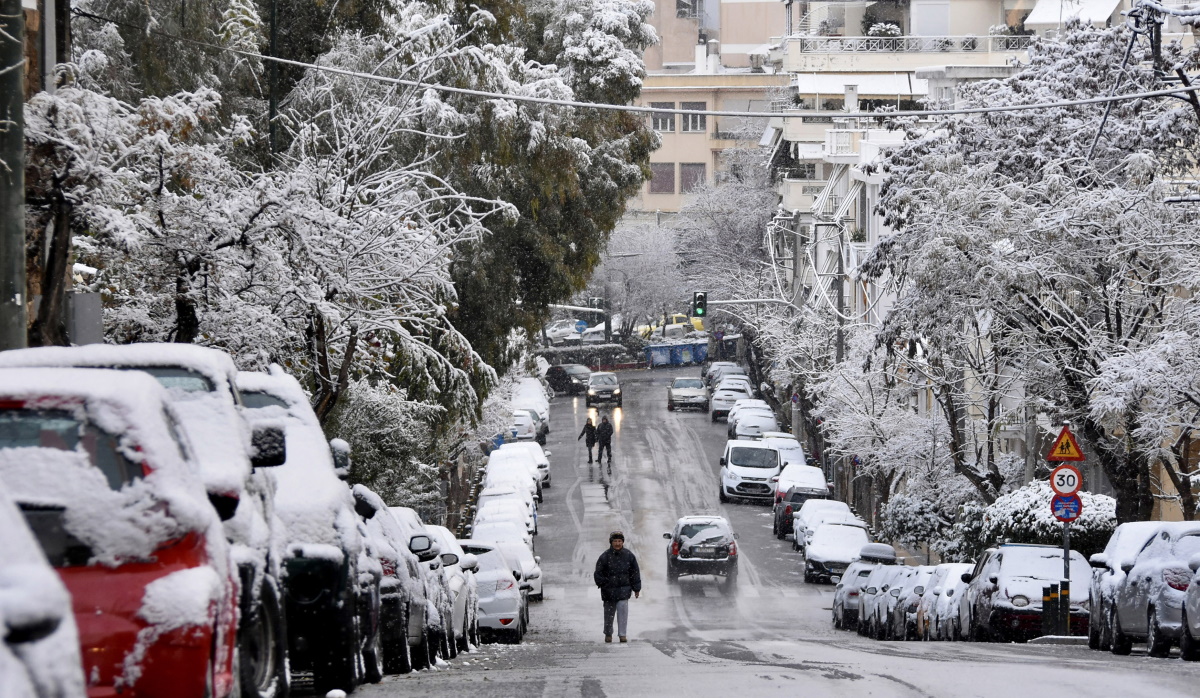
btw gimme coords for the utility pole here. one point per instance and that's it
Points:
(841, 298)
(12, 175)
(273, 99)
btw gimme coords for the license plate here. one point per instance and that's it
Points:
(704, 552)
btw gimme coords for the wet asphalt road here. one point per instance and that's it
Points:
(770, 636)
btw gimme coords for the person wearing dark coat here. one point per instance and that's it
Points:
(589, 430)
(604, 434)
(618, 576)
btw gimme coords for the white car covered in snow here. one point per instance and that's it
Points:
(459, 567)
(437, 589)
(541, 457)
(39, 645)
(832, 548)
(747, 470)
(503, 605)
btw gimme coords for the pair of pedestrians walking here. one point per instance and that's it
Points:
(602, 435)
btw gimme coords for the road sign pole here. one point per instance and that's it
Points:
(1064, 593)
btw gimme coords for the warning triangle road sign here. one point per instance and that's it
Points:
(1065, 448)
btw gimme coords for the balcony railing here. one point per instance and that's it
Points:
(843, 141)
(909, 44)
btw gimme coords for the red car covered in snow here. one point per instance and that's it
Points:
(97, 466)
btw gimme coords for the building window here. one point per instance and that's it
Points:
(691, 176)
(689, 9)
(662, 121)
(804, 170)
(662, 178)
(693, 123)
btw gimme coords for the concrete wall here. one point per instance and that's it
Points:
(746, 25)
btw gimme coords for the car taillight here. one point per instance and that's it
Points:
(787, 511)
(732, 548)
(675, 547)
(389, 567)
(504, 585)
(1177, 578)
(852, 593)
(506, 621)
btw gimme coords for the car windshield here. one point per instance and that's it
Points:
(840, 536)
(754, 458)
(604, 380)
(253, 400)
(789, 451)
(60, 430)
(174, 377)
(687, 383)
(1041, 563)
(579, 369)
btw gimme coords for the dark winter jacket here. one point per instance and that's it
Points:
(604, 432)
(617, 574)
(589, 430)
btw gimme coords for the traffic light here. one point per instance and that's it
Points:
(595, 302)
(699, 304)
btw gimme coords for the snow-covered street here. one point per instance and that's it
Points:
(772, 636)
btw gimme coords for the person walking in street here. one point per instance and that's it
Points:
(589, 430)
(604, 434)
(618, 576)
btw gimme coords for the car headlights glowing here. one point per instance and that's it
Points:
(617, 391)
(1020, 601)
(591, 391)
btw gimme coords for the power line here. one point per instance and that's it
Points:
(654, 110)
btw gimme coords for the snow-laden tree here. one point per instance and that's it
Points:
(644, 281)
(1007, 231)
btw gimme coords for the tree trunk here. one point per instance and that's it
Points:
(49, 328)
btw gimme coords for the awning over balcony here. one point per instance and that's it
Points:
(1050, 13)
(875, 85)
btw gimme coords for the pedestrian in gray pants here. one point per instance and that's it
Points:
(618, 577)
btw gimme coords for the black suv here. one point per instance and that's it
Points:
(702, 545)
(571, 379)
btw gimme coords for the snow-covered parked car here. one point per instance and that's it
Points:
(514, 465)
(747, 469)
(1126, 541)
(904, 615)
(509, 493)
(1148, 601)
(458, 566)
(687, 393)
(437, 589)
(943, 581)
(790, 450)
(530, 393)
(325, 546)
(1003, 599)
(409, 625)
(523, 427)
(506, 510)
(846, 593)
(39, 644)
(832, 548)
(808, 480)
(785, 508)
(502, 603)
(750, 426)
(874, 596)
(745, 406)
(232, 461)
(528, 564)
(95, 461)
(722, 400)
(810, 512)
(541, 457)
(948, 612)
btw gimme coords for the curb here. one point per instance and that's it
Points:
(1060, 640)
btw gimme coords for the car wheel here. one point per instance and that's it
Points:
(1157, 642)
(464, 637)
(475, 637)
(340, 668)
(373, 661)
(423, 655)
(672, 571)
(837, 621)
(1093, 633)
(262, 646)
(446, 647)
(714, 416)
(670, 406)
(775, 527)
(705, 408)
(393, 637)
(1121, 643)
(1189, 648)
(721, 494)
(731, 578)
(618, 403)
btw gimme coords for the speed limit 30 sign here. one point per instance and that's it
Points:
(1066, 480)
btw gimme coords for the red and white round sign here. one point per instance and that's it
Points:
(1066, 480)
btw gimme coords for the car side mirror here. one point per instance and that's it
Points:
(993, 578)
(1125, 567)
(735, 536)
(919, 591)
(341, 458)
(966, 577)
(839, 586)
(533, 575)
(537, 559)
(666, 536)
(895, 591)
(1099, 561)
(548, 453)
(468, 562)
(449, 559)
(949, 593)
(526, 587)
(225, 504)
(422, 546)
(1194, 563)
(869, 590)
(268, 447)
(722, 461)
(364, 508)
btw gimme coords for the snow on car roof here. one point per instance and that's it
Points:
(738, 443)
(803, 475)
(116, 523)
(214, 364)
(1127, 540)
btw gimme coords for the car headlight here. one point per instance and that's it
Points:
(1020, 601)
(591, 391)
(734, 476)
(617, 391)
